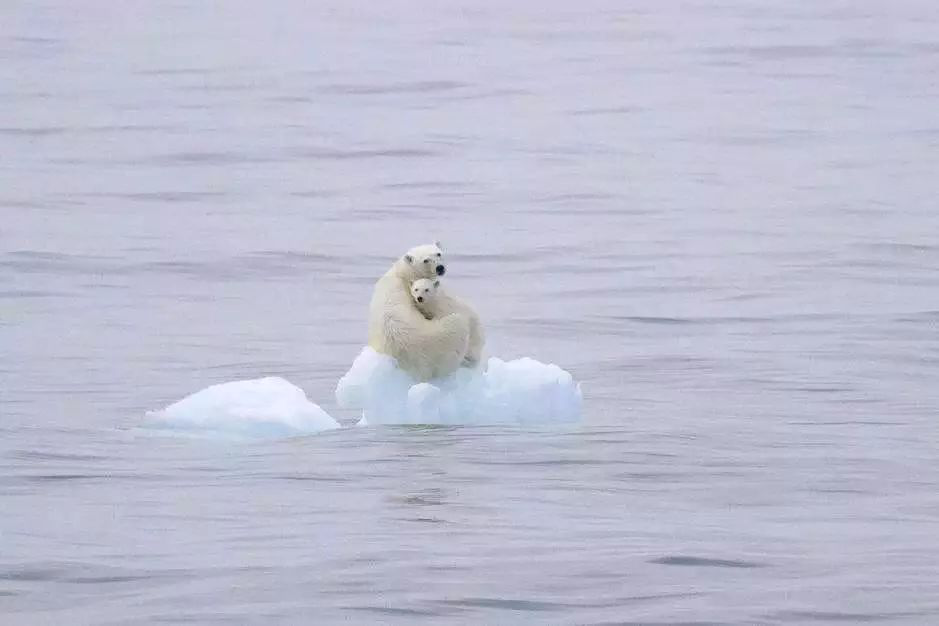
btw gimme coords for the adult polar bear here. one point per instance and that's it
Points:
(424, 348)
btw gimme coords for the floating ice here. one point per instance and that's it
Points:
(523, 391)
(263, 407)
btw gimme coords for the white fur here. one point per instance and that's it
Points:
(424, 348)
(434, 303)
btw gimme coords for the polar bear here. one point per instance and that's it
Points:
(423, 348)
(433, 302)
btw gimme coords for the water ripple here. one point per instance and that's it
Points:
(694, 561)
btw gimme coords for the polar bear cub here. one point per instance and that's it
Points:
(433, 302)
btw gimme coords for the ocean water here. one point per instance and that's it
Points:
(719, 216)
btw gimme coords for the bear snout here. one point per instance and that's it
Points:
(420, 298)
(441, 270)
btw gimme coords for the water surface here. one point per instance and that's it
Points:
(720, 216)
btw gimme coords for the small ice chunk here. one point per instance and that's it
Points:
(423, 404)
(522, 391)
(259, 408)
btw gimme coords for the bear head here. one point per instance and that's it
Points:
(425, 261)
(424, 289)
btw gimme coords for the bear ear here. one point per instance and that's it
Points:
(436, 283)
(437, 243)
(409, 258)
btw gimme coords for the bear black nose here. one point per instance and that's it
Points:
(420, 298)
(441, 270)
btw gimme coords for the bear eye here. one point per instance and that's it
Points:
(438, 254)
(426, 260)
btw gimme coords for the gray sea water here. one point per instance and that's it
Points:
(720, 216)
